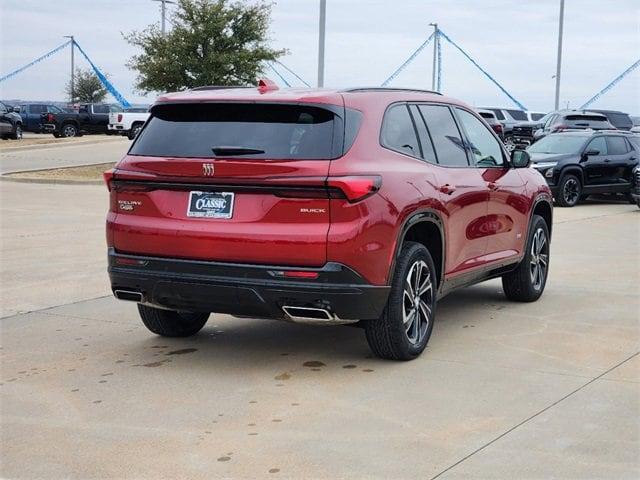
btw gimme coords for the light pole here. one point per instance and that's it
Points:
(559, 64)
(435, 54)
(163, 10)
(72, 89)
(321, 30)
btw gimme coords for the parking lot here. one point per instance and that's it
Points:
(504, 390)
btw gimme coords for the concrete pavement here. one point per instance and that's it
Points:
(102, 150)
(504, 390)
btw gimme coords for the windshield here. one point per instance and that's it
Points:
(558, 144)
(268, 131)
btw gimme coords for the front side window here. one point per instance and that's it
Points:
(617, 146)
(599, 145)
(446, 137)
(499, 114)
(398, 132)
(484, 146)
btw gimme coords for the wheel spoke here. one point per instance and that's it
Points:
(426, 285)
(544, 259)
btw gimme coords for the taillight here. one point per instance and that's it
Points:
(497, 128)
(50, 118)
(119, 117)
(108, 178)
(356, 188)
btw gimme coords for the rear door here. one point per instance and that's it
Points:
(464, 192)
(619, 163)
(231, 182)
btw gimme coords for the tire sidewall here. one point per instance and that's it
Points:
(409, 255)
(565, 179)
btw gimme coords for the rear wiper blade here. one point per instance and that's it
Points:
(230, 151)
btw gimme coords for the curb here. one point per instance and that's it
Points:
(24, 148)
(4, 178)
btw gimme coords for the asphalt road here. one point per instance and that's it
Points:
(82, 151)
(543, 390)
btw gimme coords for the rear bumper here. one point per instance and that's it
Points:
(247, 290)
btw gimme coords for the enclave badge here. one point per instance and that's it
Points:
(208, 169)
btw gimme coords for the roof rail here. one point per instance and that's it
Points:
(219, 87)
(389, 89)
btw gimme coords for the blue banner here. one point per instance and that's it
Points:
(37, 60)
(107, 84)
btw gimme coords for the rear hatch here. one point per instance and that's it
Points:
(230, 182)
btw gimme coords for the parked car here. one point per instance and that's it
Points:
(493, 122)
(579, 163)
(562, 120)
(90, 118)
(508, 117)
(31, 114)
(620, 120)
(10, 123)
(321, 206)
(635, 173)
(128, 122)
(636, 124)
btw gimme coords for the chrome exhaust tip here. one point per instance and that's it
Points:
(129, 295)
(313, 315)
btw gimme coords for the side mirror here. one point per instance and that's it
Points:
(520, 158)
(10, 109)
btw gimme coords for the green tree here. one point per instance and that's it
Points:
(212, 42)
(87, 87)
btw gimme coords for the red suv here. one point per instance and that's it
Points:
(321, 206)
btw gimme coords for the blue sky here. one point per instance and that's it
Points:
(513, 40)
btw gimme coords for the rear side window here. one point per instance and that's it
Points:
(265, 131)
(518, 115)
(445, 134)
(37, 109)
(398, 132)
(101, 109)
(617, 145)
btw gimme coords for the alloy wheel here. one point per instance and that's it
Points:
(417, 301)
(69, 131)
(570, 191)
(18, 132)
(539, 258)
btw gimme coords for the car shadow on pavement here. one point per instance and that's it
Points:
(231, 341)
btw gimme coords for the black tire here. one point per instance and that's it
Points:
(389, 336)
(133, 132)
(17, 132)
(569, 191)
(169, 323)
(521, 284)
(69, 130)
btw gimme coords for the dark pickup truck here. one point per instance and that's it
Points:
(90, 118)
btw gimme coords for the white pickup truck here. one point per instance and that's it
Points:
(128, 122)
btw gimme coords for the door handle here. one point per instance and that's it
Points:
(492, 186)
(447, 189)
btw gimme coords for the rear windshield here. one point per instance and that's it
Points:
(269, 131)
(518, 115)
(487, 115)
(537, 116)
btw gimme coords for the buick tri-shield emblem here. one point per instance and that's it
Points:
(208, 169)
